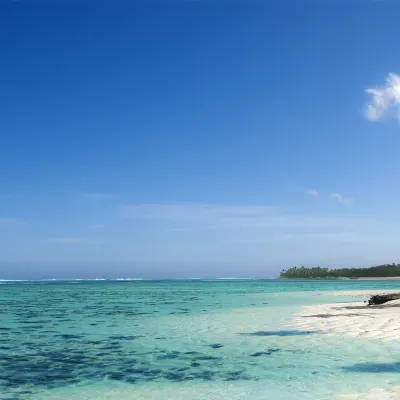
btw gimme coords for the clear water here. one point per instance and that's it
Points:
(180, 340)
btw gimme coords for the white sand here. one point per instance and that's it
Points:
(374, 394)
(365, 294)
(355, 319)
(379, 278)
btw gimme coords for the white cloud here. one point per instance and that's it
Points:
(180, 230)
(344, 237)
(6, 196)
(385, 100)
(343, 200)
(98, 196)
(191, 211)
(213, 217)
(313, 192)
(11, 221)
(68, 240)
(96, 226)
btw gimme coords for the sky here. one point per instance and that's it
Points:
(183, 138)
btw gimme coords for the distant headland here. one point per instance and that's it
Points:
(385, 271)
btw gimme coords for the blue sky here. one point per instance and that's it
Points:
(197, 138)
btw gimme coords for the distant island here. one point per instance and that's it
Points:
(380, 271)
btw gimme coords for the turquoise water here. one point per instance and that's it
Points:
(181, 340)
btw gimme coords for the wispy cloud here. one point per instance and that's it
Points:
(184, 230)
(384, 100)
(6, 196)
(212, 217)
(68, 240)
(98, 196)
(347, 201)
(11, 221)
(345, 237)
(96, 226)
(312, 192)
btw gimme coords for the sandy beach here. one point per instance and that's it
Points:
(355, 319)
(364, 294)
(380, 278)
(374, 394)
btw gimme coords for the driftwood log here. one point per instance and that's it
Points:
(383, 298)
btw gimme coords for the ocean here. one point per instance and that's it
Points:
(192, 340)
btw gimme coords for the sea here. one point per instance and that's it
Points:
(182, 339)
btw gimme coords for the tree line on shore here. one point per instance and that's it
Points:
(385, 270)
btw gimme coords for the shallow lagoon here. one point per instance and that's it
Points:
(181, 340)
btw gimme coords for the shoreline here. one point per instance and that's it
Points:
(357, 320)
(354, 319)
(344, 278)
(374, 394)
(378, 278)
